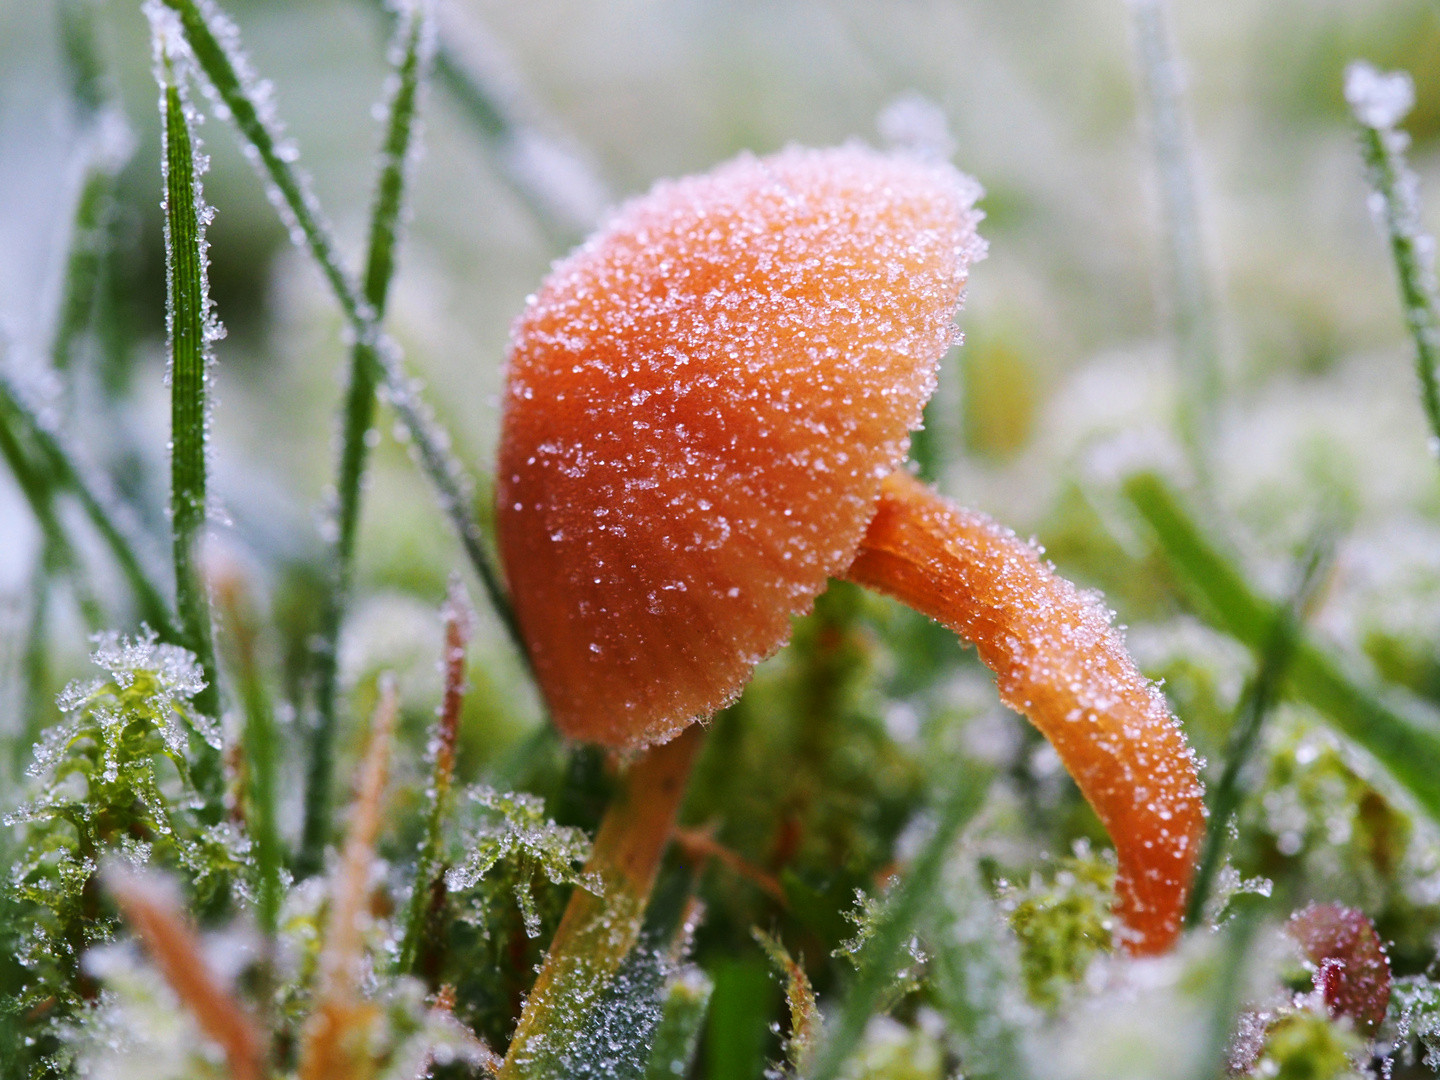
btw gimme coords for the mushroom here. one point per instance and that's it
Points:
(705, 408)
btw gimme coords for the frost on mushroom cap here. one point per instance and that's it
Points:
(700, 406)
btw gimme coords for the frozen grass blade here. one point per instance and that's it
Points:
(685, 1002)
(429, 883)
(1192, 306)
(559, 186)
(58, 556)
(151, 906)
(1379, 102)
(336, 1043)
(1259, 698)
(887, 947)
(105, 145)
(258, 739)
(214, 41)
(411, 50)
(31, 426)
(191, 330)
(1405, 740)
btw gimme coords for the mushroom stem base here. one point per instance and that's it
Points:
(596, 933)
(1058, 661)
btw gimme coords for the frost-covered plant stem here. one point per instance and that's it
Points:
(214, 42)
(35, 428)
(191, 331)
(412, 48)
(1259, 699)
(1192, 307)
(596, 933)
(429, 882)
(1404, 740)
(1379, 102)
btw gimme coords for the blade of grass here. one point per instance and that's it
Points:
(1379, 102)
(429, 884)
(886, 948)
(557, 184)
(1403, 737)
(410, 49)
(1192, 313)
(30, 424)
(57, 557)
(214, 43)
(1259, 699)
(242, 631)
(191, 329)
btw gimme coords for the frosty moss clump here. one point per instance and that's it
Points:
(129, 771)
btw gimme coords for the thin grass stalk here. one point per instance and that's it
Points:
(597, 932)
(555, 181)
(29, 424)
(57, 555)
(1260, 697)
(1400, 734)
(1379, 102)
(428, 891)
(151, 906)
(191, 330)
(335, 1046)
(412, 50)
(1193, 318)
(897, 926)
(215, 45)
(258, 740)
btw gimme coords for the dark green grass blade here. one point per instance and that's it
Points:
(902, 914)
(215, 44)
(28, 424)
(1403, 737)
(1383, 148)
(358, 419)
(188, 311)
(1259, 698)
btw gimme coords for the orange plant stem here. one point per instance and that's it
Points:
(1058, 661)
(596, 933)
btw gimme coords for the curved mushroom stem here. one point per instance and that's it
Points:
(596, 933)
(1058, 661)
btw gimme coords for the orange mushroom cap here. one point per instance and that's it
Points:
(701, 404)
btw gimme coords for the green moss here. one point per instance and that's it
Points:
(1306, 1045)
(1062, 920)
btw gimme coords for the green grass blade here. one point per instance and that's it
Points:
(191, 331)
(259, 740)
(1259, 698)
(50, 450)
(80, 51)
(214, 42)
(685, 1002)
(39, 490)
(1379, 102)
(1403, 737)
(902, 913)
(1192, 306)
(411, 50)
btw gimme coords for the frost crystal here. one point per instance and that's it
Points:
(524, 835)
(1378, 99)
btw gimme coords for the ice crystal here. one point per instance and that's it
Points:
(535, 845)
